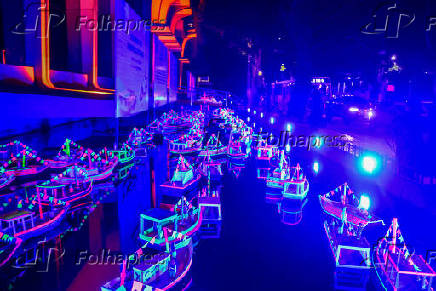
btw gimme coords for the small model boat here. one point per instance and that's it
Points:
(213, 148)
(212, 169)
(184, 220)
(297, 186)
(125, 155)
(184, 179)
(69, 155)
(151, 269)
(341, 202)
(25, 220)
(239, 148)
(21, 160)
(99, 167)
(140, 140)
(78, 189)
(397, 267)
(344, 224)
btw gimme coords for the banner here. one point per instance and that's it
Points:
(131, 64)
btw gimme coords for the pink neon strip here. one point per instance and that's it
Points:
(17, 245)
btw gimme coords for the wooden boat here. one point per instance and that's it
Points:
(99, 167)
(151, 269)
(184, 179)
(297, 186)
(69, 155)
(213, 148)
(22, 160)
(184, 220)
(341, 202)
(239, 148)
(185, 146)
(78, 189)
(125, 155)
(344, 224)
(265, 153)
(32, 219)
(140, 140)
(396, 267)
(8, 247)
(276, 178)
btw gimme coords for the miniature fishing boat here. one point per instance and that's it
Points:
(213, 148)
(80, 188)
(185, 179)
(341, 201)
(184, 220)
(8, 247)
(344, 224)
(69, 155)
(185, 146)
(276, 179)
(125, 155)
(99, 167)
(239, 148)
(35, 219)
(22, 160)
(265, 153)
(140, 140)
(151, 269)
(297, 186)
(399, 268)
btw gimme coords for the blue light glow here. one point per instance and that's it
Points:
(365, 202)
(369, 164)
(271, 120)
(316, 167)
(288, 148)
(353, 109)
(289, 127)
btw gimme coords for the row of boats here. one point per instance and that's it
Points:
(345, 218)
(202, 145)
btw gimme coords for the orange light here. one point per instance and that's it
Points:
(185, 40)
(45, 45)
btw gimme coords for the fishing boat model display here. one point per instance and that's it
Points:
(397, 267)
(125, 155)
(344, 224)
(297, 186)
(341, 203)
(184, 179)
(80, 187)
(213, 148)
(69, 155)
(153, 269)
(140, 140)
(99, 167)
(189, 143)
(33, 218)
(239, 148)
(183, 220)
(8, 247)
(276, 179)
(20, 160)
